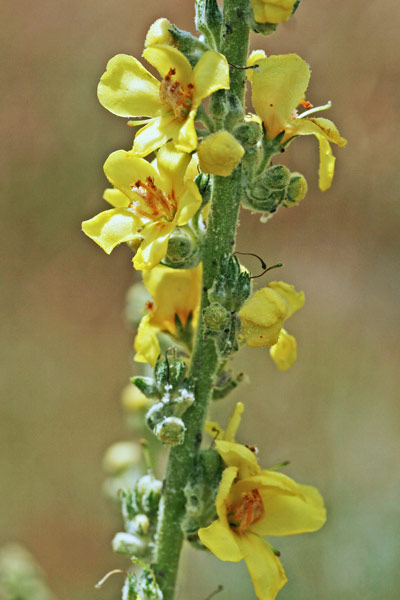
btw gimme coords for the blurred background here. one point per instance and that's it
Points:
(66, 353)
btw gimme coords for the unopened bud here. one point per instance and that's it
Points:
(248, 134)
(149, 490)
(215, 316)
(296, 190)
(219, 153)
(183, 249)
(121, 456)
(171, 431)
(276, 177)
(128, 544)
(142, 524)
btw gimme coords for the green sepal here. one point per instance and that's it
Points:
(188, 44)
(232, 286)
(209, 22)
(147, 386)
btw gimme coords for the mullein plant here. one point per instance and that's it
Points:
(198, 156)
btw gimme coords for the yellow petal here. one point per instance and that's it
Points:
(210, 74)
(158, 33)
(154, 245)
(262, 317)
(189, 203)
(290, 508)
(253, 59)
(221, 541)
(156, 133)
(116, 198)
(326, 163)
(234, 422)
(174, 291)
(164, 58)
(186, 138)
(278, 85)
(219, 153)
(265, 568)
(272, 11)
(146, 343)
(294, 300)
(123, 169)
(284, 352)
(228, 477)
(237, 455)
(172, 166)
(127, 89)
(111, 227)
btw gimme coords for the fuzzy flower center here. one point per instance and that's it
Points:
(249, 510)
(177, 97)
(156, 203)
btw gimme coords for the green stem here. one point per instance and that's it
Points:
(219, 241)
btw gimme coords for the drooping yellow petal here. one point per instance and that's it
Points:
(112, 227)
(174, 291)
(123, 169)
(266, 571)
(154, 245)
(189, 203)
(221, 541)
(186, 138)
(219, 153)
(234, 422)
(210, 74)
(237, 455)
(146, 343)
(127, 89)
(262, 317)
(163, 58)
(116, 198)
(157, 132)
(278, 85)
(272, 11)
(284, 352)
(294, 300)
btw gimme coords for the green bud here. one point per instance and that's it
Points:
(209, 21)
(169, 372)
(171, 431)
(147, 386)
(128, 544)
(142, 524)
(248, 134)
(188, 44)
(231, 286)
(183, 249)
(296, 190)
(143, 586)
(148, 490)
(276, 177)
(268, 191)
(215, 316)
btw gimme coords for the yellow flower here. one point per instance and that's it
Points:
(278, 87)
(127, 89)
(272, 11)
(149, 201)
(174, 292)
(262, 317)
(252, 503)
(219, 153)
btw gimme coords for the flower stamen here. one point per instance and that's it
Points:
(157, 203)
(249, 510)
(177, 97)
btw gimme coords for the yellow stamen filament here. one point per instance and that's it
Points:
(174, 95)
(156, 202)
(249, 510)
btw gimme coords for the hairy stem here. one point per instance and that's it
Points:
(219, 241)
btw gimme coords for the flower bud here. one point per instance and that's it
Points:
(171, 431)
(169, 372)
(159, 33)
(183, 249)
(276, 177)
(142, 524)
(267, 192)
(148, 491)
(262, 317)
(121, 456)
(284, 352)
(215, 316)
(248, 133)
(219, 153)
(126, 543)
(296, 190)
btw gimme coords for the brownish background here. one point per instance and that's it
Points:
(65, 351)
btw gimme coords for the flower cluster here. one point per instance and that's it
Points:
(194, 137)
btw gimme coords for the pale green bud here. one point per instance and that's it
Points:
(248, 134)
(128, 544)
(215, 316)
(171, 431)
(296, 190)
